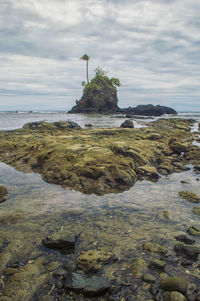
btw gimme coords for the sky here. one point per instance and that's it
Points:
(152, 46)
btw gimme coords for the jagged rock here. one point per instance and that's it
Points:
(93, 260)
(87, 285)
(189, 196)
(176, 146)
(127, 124)
(3, 193)
(177, 283)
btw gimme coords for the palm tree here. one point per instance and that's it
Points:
(86, 58)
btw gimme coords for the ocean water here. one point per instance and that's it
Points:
(13, 120)
(118, 223)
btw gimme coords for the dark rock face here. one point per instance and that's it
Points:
(149, 110)
(101, 100)
(87, 285)
(67, 245)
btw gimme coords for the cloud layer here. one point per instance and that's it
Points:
(152, 46)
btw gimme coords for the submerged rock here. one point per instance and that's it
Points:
(177, 283)
(3, 193)
(138, 267)
(157, 264)
(93, 260)
(23, 285)
(189, 196)
(191, 252)
(149, 278)
(127, 124)
(185, 239)
(15, 251)
(196, 210)
(87, 285)
(194, 230)
(67, 244)
(173, 296)
(154, 248)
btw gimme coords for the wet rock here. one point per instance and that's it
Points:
(177, 283)
(14, 251)
(185, 239)
(148, 172)
(10, 271)
(173, 296)
(93, 260)
(138, 267)
(191, 292)
(60, 242)
(194, 230)
(189, 196)
(196, 210)
(176, 146)
(154, 248)
(196, 169)
(127, 124)
(22, 286)
(149, 278)
(191, 252)
(47, 126)
(88, 125)
(46, 298)
(3, 193)
(87, 285)
(157, 264)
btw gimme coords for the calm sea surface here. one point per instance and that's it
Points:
(115, 222)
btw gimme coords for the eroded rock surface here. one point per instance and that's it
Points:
(98, 160)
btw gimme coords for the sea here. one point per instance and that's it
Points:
(118, 223)
(11, 120)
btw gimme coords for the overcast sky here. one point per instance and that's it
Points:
(152, 46)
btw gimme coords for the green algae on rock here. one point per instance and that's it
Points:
(189, 196)
(3, 193)
(95, 160)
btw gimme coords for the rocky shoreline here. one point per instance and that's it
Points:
(100, 160)
(75, 262)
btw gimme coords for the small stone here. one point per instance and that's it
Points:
(67, 244)
(127, 124)
(154, 248)
(149, 278)
(138, 267)
(190, 251)
(196, 210)
(157, 264)
(3, 193)
(173, 296)
(189, 196)
(193, 230)
(93, 260)
(185, 239)
(177, 283)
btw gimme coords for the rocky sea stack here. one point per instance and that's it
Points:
(99, 95)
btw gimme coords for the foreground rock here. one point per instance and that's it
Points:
(3, 193)
(93, 260)
(87, 285)
(23, 285)
(189, 196)
(97, 160)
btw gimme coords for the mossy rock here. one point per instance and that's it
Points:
(196, 210)
(189, 196)
(3, 193)
(154, 248)
(176, 283)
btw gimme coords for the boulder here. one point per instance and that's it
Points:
(127, 124)
(3, 193)
(157, 264)
(62, 244)
(173, 296)
(196, 210)
(191, 252)
(149, 110)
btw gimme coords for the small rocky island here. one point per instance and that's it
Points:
(100, 96)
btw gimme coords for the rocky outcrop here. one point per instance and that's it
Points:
(97, 160)
(149, 110)
(99, 97)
